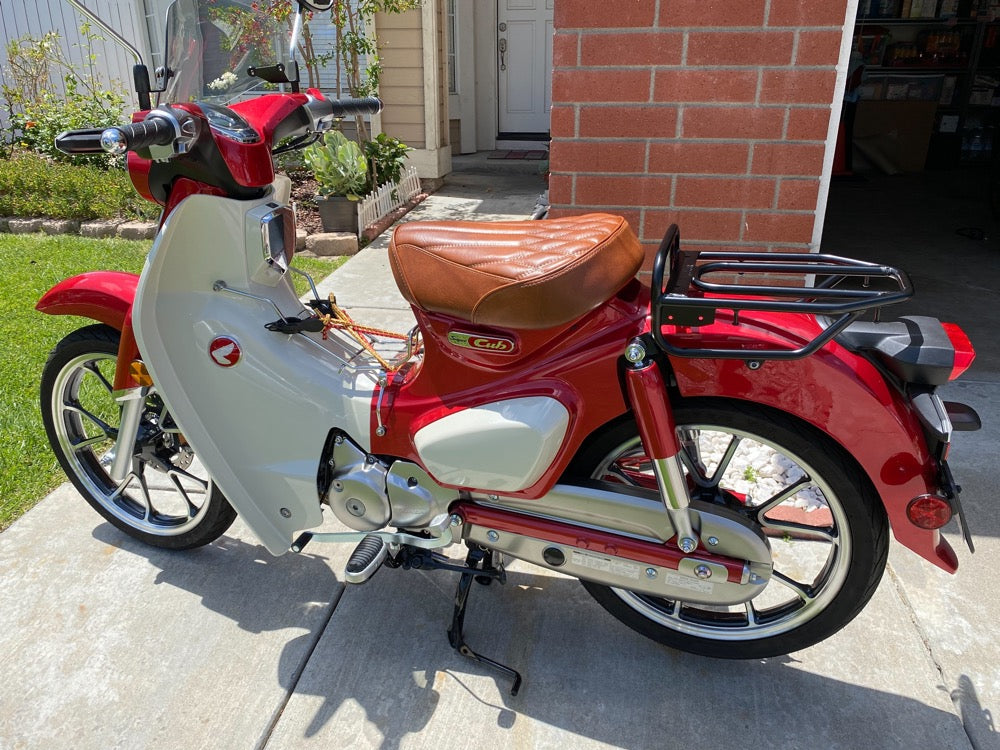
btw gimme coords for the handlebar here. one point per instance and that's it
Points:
(164, 126)
(153, 131)
(324, 111)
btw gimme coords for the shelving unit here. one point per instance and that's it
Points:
(952, 62)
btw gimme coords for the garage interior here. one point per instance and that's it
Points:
(920, 189)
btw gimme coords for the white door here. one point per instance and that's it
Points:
(524, 57)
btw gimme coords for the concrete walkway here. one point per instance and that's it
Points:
(105, 643)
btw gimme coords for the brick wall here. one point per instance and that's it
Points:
(709, 113)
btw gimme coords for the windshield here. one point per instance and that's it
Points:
(211, 44)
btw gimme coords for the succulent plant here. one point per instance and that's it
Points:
(338, 165)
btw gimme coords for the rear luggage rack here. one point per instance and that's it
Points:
(682, 302)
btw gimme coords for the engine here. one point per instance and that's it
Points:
(367, 494)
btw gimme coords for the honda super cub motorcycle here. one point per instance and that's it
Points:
(719, 464)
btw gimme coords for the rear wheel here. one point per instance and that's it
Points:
(167, 499)
(827, 529)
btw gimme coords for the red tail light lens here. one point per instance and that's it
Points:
(929, 511)
(964, 353)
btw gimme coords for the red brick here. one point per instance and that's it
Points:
(632, 48)
(600, 86)
(585, 14)
(630, 215)
(655, 121)
(709, 86)
(808, 13)
(562, 122)
(623, 191)
(691, 157)
(808, 124)
(565, 49)
(709, 13)
(723, 192)
(798, 195)
(798, 86)
(714, 226)
(771, 227)
(740, 48)
(818, 47)
(649, 250)
(598, 156)
(791, 159)
(733, 122)
(560, 188)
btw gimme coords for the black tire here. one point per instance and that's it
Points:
(81, 420)
(841, 545)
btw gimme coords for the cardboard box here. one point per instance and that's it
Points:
(894, 135)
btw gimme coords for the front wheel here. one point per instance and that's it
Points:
(826, 526)
(166, 500)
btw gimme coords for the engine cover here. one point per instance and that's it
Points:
(366, 494)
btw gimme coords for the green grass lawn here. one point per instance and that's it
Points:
(32, 264)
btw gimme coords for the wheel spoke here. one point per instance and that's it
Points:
(177, 471)
(691, 455)
(146, 496)
(772, 502)
(800, 530)
(725, 460)
(805, 593)
(92, 368)
(692, 460)
(108, 430)
(122, 486)
(751, 614)
(86, 443)
(192, 509)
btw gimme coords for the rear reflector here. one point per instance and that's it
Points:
(964, 353)
(929, 511)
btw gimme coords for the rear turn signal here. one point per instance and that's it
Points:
(964, 353)
(929, 511)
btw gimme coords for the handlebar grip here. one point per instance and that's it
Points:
(153, 131)
(86, 141)
(369, 105)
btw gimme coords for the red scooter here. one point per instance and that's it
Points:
(718, 463)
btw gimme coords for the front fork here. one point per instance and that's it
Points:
(655, 418)
(132, 397)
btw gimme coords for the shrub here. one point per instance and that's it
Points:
(39, 111)
(32, 185)
(386, 156)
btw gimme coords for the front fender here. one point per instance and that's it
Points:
(839, 393)
(104, 296)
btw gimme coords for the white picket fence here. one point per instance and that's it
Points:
(387, 198)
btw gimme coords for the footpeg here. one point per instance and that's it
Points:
(367, 557)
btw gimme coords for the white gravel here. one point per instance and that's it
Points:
(758, 471)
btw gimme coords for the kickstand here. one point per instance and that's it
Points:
(479, 567)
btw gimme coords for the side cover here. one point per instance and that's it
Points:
(255, 405)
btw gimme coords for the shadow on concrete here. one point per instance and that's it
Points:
(384, 672)
(240, 581)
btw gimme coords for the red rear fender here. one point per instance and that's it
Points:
(836, 391)
(104, 296)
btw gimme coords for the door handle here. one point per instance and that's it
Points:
(502, 45)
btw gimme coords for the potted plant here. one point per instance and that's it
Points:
(341, 170)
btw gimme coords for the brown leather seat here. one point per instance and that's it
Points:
(515, 274)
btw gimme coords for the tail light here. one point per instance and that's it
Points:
(964, 353)
(929, 511)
